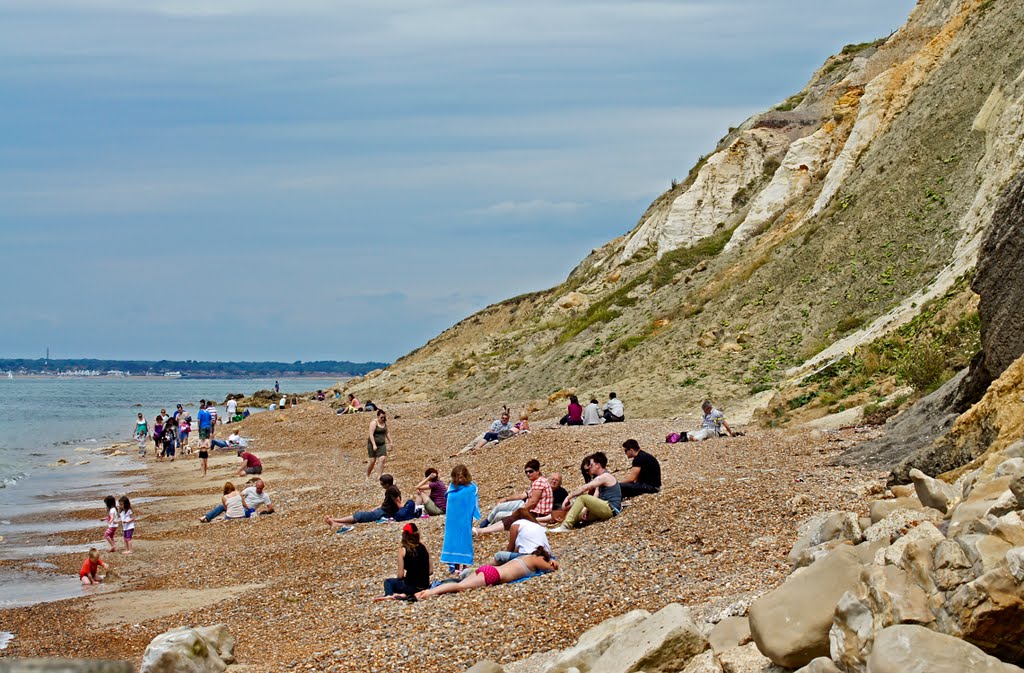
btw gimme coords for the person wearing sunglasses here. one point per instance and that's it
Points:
(537, 500)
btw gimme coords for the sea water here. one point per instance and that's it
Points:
(47, 420)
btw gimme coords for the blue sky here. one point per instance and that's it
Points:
(257, 179)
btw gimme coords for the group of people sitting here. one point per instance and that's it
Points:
(253, 500)
(611, 411)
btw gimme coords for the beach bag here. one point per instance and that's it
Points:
(672, 438)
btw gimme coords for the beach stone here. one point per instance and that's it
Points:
(705, 662)
(867, 551)
(746, 659)
(820, 665)
(1010, 468)
(593, 643)
(824, 528)
(729, 633)
(885, 596)
(933, 492)
(989, 611)
(189, 650)
(791, 623)
(893, 554)
(1015, 563)
(1010, 527)
(907, 648)
(950, 566)
(663, 642)
(879, 509)
(902, 490)
(485, 666)
(898, 523)
(984, 552)
(989, 497)
(54, 665)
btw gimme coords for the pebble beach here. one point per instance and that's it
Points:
(298, 597)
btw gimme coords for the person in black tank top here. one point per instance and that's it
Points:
(414, 568)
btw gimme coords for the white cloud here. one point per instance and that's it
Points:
(527, 208)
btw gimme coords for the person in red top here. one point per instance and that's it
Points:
(250, 464)
(92, 566)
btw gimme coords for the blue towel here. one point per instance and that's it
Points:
(463, 510)
(528, 577)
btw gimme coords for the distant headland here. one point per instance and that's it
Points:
(183, 368)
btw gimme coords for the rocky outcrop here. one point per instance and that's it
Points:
(663, 642)
(205, 649)
(912, 649)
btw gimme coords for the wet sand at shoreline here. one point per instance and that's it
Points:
(297, 596)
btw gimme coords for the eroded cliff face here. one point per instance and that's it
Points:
(813, 228)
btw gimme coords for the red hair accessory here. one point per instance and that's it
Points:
(408, 528)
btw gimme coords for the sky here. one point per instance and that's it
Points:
(316, 179)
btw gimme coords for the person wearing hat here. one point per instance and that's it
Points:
(644, 473)
(250, 463)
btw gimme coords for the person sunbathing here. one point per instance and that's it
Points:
(488, 575)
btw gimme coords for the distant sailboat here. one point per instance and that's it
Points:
(10, 374)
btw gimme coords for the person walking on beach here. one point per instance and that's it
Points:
(111, 521)
(204, 424)
(378, 443)
(212, 409)
(158, 437)
(463, 510)
(277, 387)
(170, 437)
(141, 434)
(127, 523)
(90, 569)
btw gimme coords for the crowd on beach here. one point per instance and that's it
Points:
(527, 518)
(543, 507)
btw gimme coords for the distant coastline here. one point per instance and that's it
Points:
(193, 369)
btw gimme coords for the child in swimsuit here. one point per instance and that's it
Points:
(488, 576)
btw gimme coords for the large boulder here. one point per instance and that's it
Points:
(822, 529)
(791, 623)
(705, 662)
(190, 650)
(932, 492)
(879, 509)
(665, 641)
(886, 595)
(988, 497)
(486, 666)
(593, 643)
(820, 665)
(747, 659)
(908, 648)
(729, 633)
(900, 522)
(989, 612)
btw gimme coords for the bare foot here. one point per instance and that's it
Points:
(126, 552)
(387, 598)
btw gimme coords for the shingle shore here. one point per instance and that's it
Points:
(716, 535)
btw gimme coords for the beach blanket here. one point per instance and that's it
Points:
(529, 577)
(463, 510)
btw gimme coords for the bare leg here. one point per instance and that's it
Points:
(334, 522)
(474, 581)
(369, 469)
(86, 579)
(493, 528)
(383, 462)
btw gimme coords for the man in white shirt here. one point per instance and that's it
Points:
(256, 496)
(232, 407)
(613, 410)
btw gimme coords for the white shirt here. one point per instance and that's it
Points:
(531, 535)
(234, 438)
(614, 405)
(591, 415)
(253, 499)
(128, 520)
(232, 405)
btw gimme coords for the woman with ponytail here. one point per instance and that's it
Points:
(414, 567)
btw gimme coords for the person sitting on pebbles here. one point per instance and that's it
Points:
(537, 500)
(391, 508)
(255, 496)
(499, 430)
(487, 575)
(250, 463)
(524, 535)
(601, 496)
(712, 425)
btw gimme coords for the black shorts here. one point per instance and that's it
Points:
(204, 454)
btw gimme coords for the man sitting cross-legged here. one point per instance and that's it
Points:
(601, 496)
(644, 474)
(537, 500)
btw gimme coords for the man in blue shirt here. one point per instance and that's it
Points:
(204, 424)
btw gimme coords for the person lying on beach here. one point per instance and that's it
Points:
(93, 563)
(487, 575)
(538, 500)
(232, 506)
(250, 463)
(234, 441)
(414, 567)
(432, 493)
